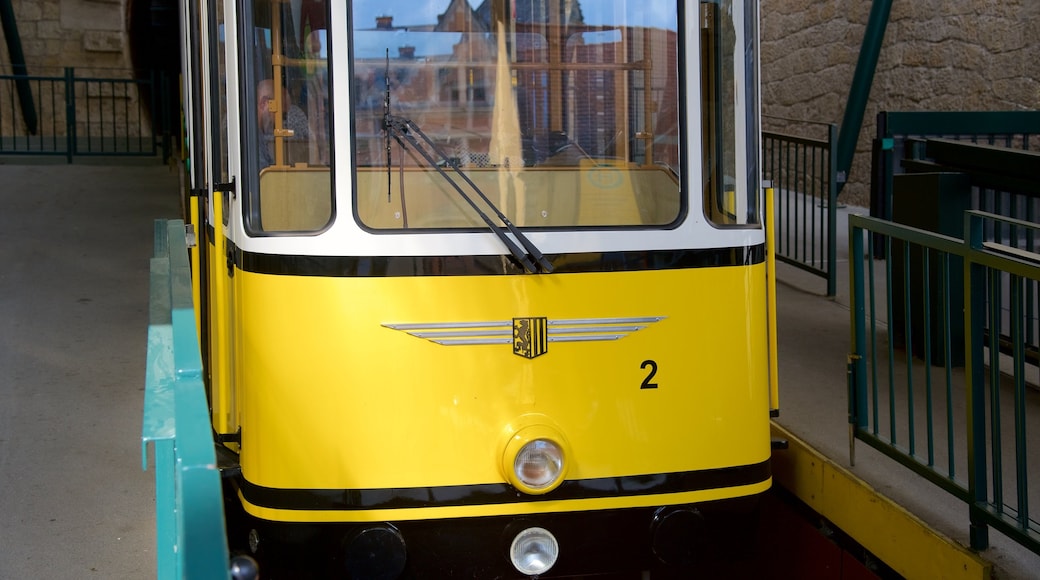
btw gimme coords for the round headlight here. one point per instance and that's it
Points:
(539, 464)
(534, 551)
(535, 455)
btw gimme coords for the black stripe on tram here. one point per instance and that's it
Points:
(501, 493)
(499, 265)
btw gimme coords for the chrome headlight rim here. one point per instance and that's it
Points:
(531, 442)
(546, 551)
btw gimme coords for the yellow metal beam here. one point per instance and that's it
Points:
(899, 538)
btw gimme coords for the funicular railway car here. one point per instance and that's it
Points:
(483, 287)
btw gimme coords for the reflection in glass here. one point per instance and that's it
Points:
(562, 116)
(729, 113)
(290, 109)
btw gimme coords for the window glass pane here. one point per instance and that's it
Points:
(291, 115)
(561, 114)
(218, 91)
(729, 109)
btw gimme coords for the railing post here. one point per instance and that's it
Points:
(70, 113)
(832, 210)
(881, 177)
(975, 399)
(857, 370)
(165, 510)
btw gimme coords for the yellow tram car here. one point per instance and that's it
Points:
(484, 287)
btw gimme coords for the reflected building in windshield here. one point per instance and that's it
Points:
(581, 91)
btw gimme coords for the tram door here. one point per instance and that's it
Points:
(218, 297)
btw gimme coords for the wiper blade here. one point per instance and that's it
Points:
(405, 129)
(401, 130)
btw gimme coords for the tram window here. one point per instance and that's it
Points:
(729, 109)
(218, 90)
(563, 113)
(288, 132)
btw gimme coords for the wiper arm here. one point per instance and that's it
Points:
(401, 128)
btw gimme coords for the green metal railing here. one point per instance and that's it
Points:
(997, 180)
(964, 429)
(190, 530)
(898, 131)
(803, 172)
(112, 115)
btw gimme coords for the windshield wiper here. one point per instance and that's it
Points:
(404, 130)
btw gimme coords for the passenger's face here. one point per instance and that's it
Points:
(263, 111)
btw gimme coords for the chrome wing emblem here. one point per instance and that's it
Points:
(529, 336)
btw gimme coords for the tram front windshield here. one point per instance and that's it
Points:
(562, 113)
(558, 114)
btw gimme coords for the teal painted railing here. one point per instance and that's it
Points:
(954, 410)
(113, 114)
(803, 172)
(189, 510)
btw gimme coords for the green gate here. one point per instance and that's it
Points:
(945, 362)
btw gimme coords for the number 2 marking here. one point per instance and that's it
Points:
(653, 371)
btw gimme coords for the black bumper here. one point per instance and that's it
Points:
(591, 542)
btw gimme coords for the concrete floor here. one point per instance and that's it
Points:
(814, 341)
(74, 247)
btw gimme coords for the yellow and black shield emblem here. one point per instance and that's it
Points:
(530, 336)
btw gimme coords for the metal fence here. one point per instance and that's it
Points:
(945, 365)
(962, 428)
(189, 509)
(108, 113)
(803, 174)
(899, 133)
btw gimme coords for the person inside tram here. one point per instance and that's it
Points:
(294, 121)
(265, 122)
(316, 98)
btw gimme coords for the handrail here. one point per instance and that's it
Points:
(1008, 129)
(988, 446)
(803, 172)
(190, 530)
(105, 114)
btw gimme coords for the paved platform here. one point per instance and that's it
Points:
(75, 241)
(814, 341)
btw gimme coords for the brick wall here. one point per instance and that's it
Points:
(947, 55)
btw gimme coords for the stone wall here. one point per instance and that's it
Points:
(90, 36)
(945, 55)
(937, 55)
(86, 34)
